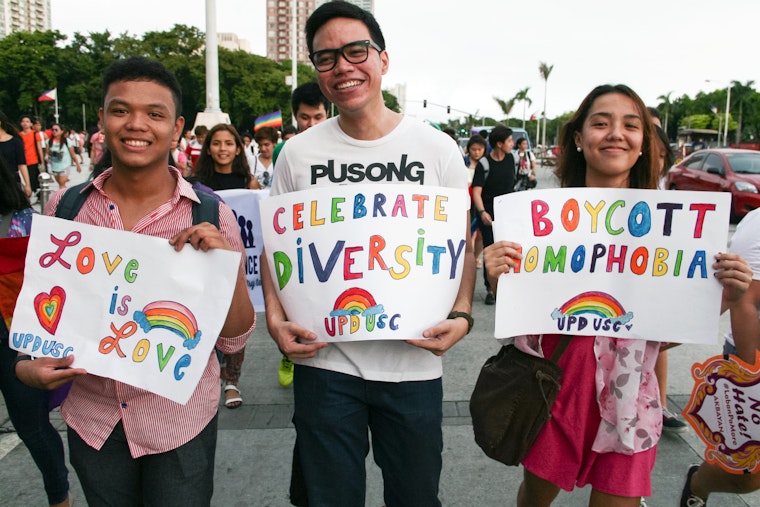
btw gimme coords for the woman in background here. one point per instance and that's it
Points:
(221, 166)
(28, 407)
(61, 155)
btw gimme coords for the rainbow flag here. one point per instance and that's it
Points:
(12, 256)
(49, 95)
(268, 120)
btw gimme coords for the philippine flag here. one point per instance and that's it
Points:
(49, 95)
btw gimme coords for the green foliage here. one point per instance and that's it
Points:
(249, 85)
(391, 101)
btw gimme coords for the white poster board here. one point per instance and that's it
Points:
(126, 305)
(366, 262)
(615, 262)
(245, 205)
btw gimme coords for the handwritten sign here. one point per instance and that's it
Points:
(126, 305)
(366, 262)
(724, 409)
(616, 262)
(245, 205)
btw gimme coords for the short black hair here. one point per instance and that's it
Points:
(289, 129)
(138, 68)
(309, 94)
(331, 10)
(499, 134)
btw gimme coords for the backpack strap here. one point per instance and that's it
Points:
(486, 166)
(74, 198)
(72, 201)
(207, 210)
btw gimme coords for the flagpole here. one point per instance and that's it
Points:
(56, 105)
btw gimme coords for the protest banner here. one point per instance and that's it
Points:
(724, 410)
(366, 262)
(245, 205)
(623, 263)
(126, 305)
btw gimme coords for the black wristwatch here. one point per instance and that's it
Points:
(466, 316)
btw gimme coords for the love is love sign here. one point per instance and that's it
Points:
(623, 263)
(366, 262)
(126, 305)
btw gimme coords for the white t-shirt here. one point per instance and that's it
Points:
(427, 157)
(263, 173)
(746, 242)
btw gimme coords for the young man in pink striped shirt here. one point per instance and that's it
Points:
(129, 446)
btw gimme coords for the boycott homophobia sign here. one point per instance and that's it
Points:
(623, 263)
(126, 305)
(366, 262)
(245, 206)
(724, 409)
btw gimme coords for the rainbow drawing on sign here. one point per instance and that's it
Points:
(172, 316)
(355, 301)
(594, 303)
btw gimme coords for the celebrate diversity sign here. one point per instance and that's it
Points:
(126, 305)
(245, 206)
(615, 262)
(366, 262)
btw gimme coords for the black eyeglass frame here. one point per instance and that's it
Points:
(342, 51)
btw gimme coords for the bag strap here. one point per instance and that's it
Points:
(561, 346)
(486, 166)
(74, 198)
(72, 201)
(207, 210)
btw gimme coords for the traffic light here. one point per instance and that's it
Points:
(448, 109)
(424, 103)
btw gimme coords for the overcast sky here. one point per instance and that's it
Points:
(462, 53)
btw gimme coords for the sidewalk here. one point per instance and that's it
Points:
(255, 441)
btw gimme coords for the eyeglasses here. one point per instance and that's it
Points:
(353, 52)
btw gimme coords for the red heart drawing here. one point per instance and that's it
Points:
(49, 308)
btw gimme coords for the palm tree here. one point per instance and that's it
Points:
(506, 107)
(545, 69)
(522, 95)
(742, 93)
(666, 100)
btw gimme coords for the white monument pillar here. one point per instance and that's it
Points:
(213, 113)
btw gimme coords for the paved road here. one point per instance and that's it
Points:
(255, 441)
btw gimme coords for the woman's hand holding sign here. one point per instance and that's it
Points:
(501, 257)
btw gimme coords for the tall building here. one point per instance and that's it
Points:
(232, 42)
(279, 26)
(24, 16)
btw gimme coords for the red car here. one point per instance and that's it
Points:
(721, 170)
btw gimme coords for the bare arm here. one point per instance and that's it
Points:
(477, 201)
(24, 171)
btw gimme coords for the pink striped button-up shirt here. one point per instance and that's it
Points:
(152, 423)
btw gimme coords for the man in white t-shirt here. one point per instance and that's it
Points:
(391, 387)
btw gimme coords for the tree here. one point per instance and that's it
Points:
(506, 107)
(742, 95)
(522, 96)
(545, 70)
(391, 101)
(666, 105)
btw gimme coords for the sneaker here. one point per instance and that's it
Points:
(490, 299)
(689, 499)
(671, 423)
(285, 371)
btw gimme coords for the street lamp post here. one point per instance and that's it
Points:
(725, 123)
(728, 108)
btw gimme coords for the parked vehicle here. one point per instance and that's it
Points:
(721, 170)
